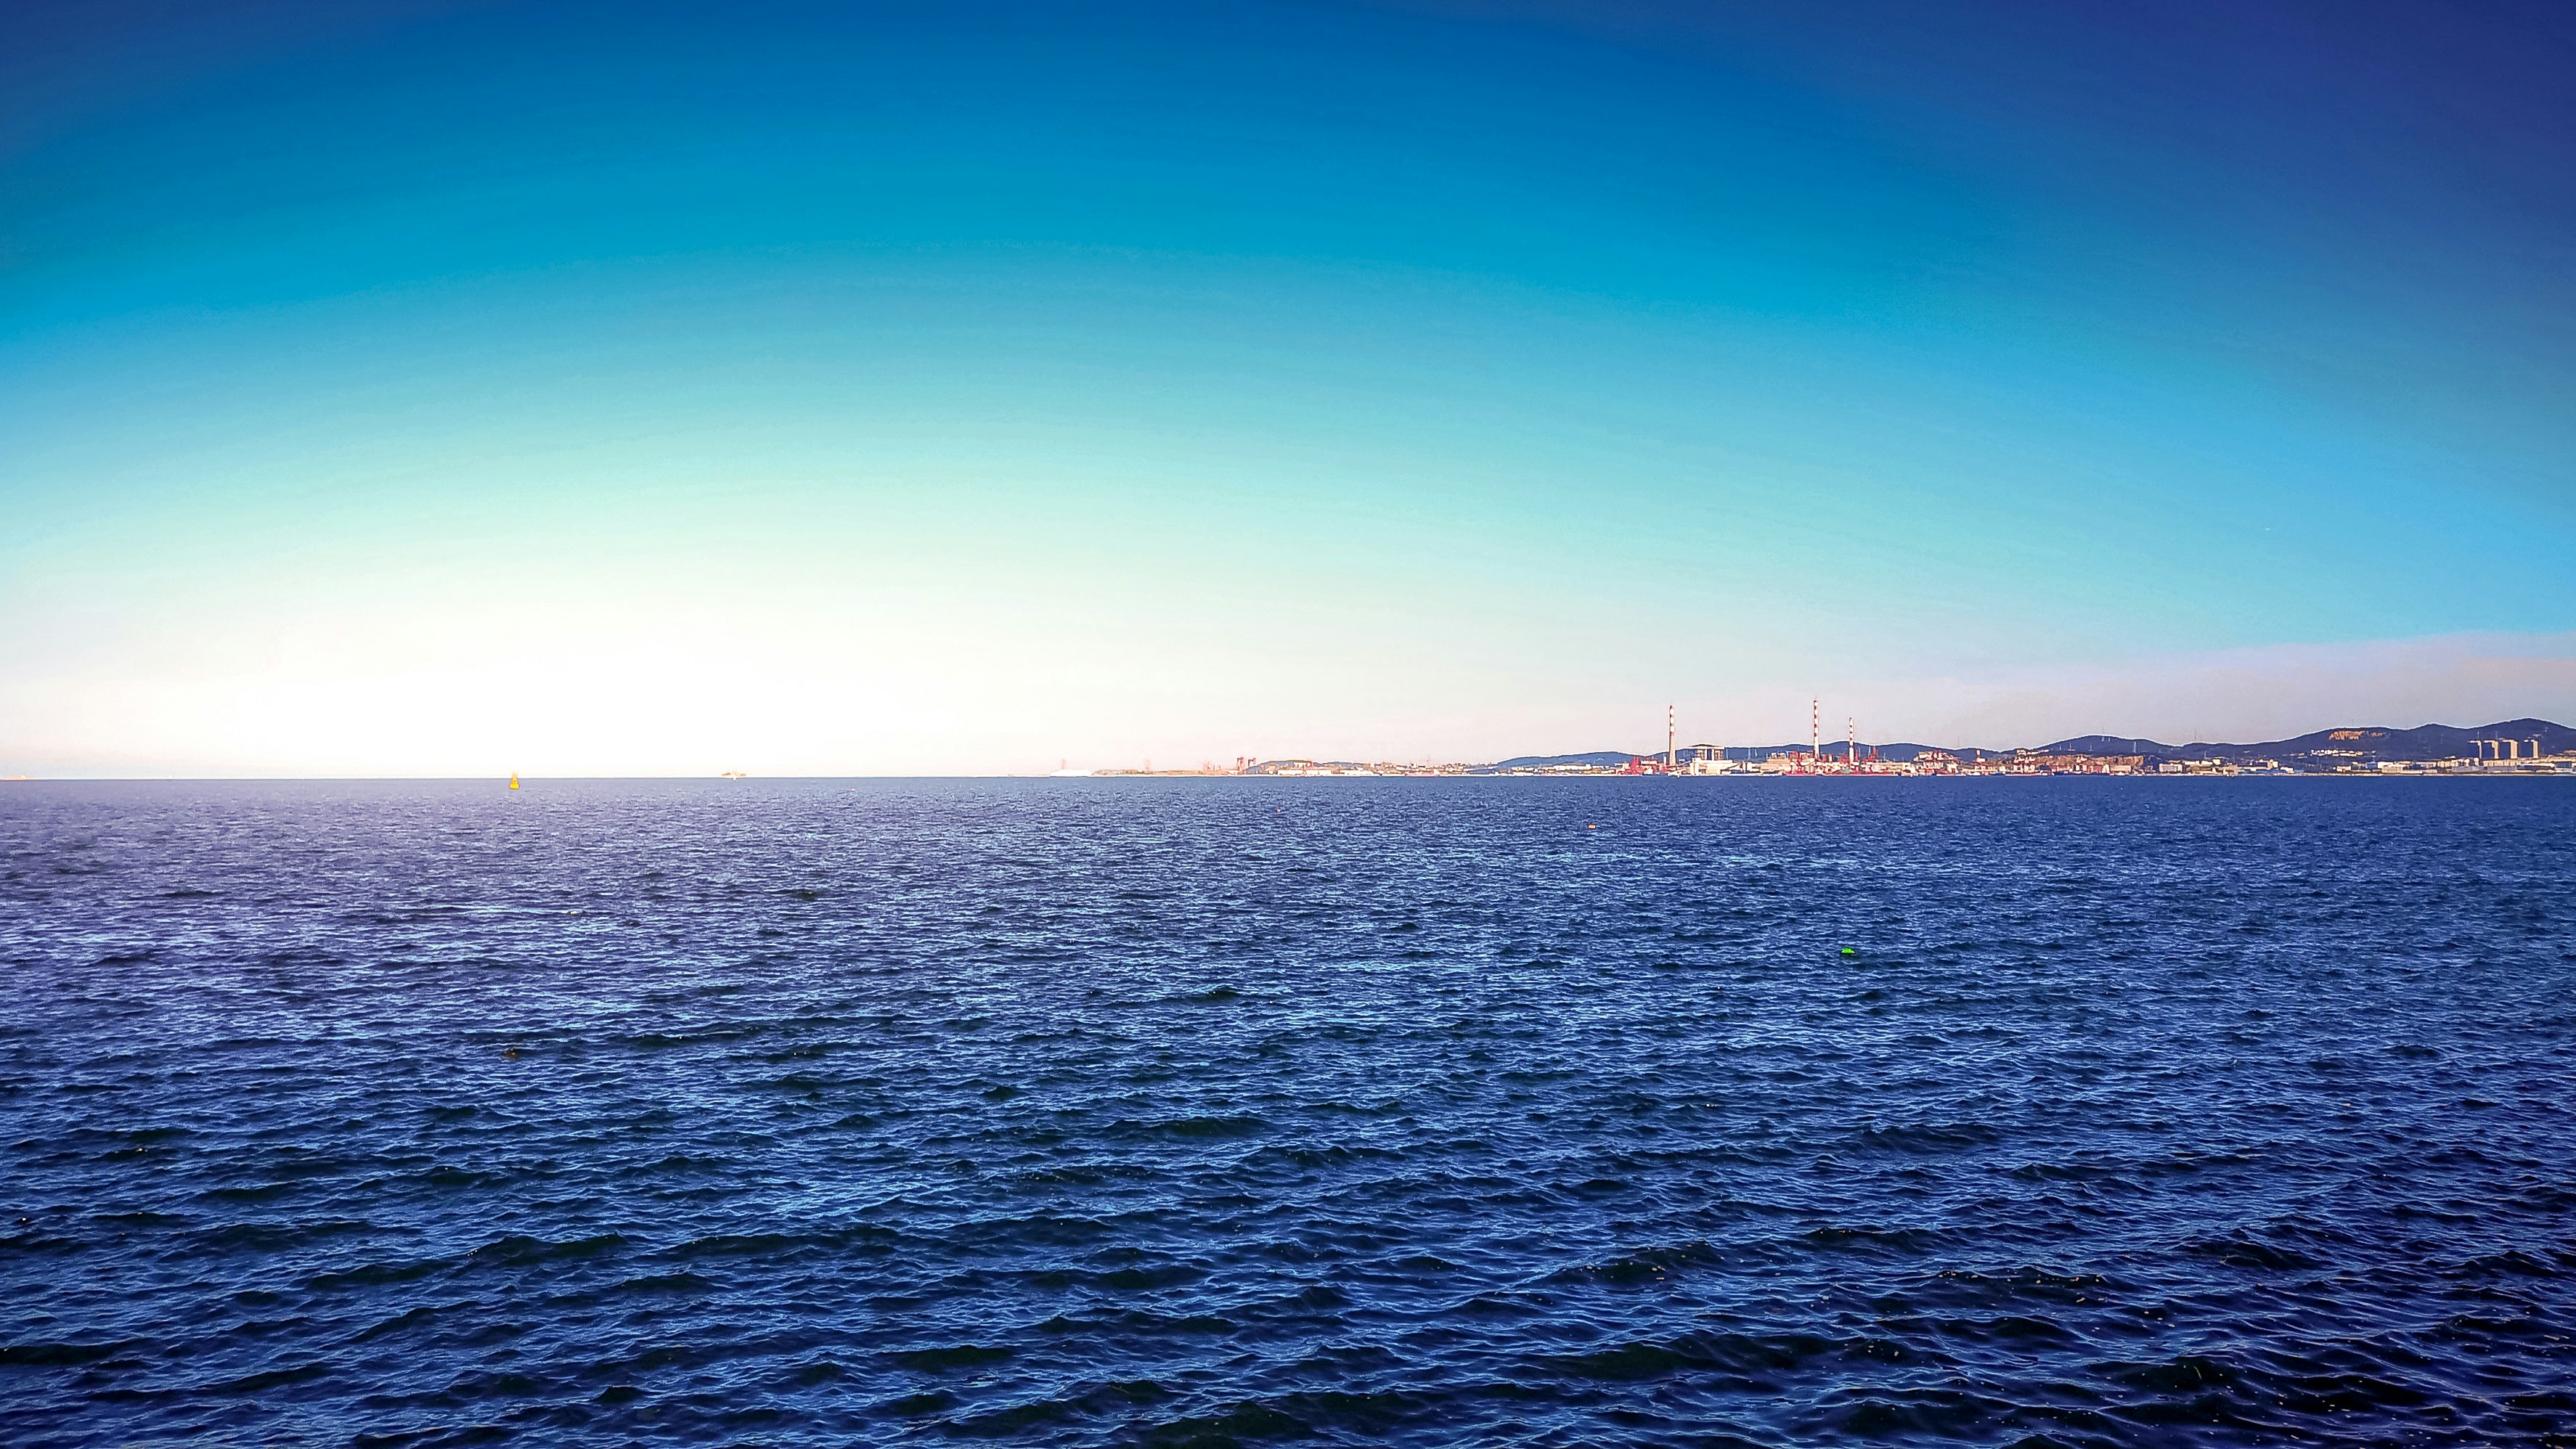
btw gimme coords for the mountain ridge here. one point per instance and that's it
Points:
(2341, 744)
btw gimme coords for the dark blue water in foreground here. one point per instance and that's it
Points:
(1231, 1111)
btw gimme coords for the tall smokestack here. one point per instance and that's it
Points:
(1668, 739)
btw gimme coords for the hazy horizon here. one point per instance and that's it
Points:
(1830, 740)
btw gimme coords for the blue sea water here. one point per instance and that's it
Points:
(2011, 1112)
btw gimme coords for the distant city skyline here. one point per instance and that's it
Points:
(2524, 746)
(423, 388)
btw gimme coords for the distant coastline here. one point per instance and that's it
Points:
(2507, 747)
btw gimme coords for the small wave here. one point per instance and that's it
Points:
(2248, 1253)
(263, 1192)
(1013, 1420)
(748, 1245)
(681, 1283)
(956, 1356)
(1740, 1355)
(2187, 1374)
(1195, 1127)
(1922, 1415)
(918, 1406)
(1898, 1242)
(51, 1354)
(2016, 1329)
(260, 1383)
(1645, 1265)
(816, 1371)
(276, 1237)
(1143, 1322)
(374, 1275)
(1143, 1278)
(1244, 1421)
(520, 1249)
(412, 1318)
(1930, 1137)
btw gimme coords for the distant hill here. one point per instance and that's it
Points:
(2321, 750)
(2109, 745)
(2351, 744)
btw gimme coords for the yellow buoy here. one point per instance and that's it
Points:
(514, 779)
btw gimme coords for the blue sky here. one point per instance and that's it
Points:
(590, 389)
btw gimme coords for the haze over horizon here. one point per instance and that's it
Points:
(425, 389)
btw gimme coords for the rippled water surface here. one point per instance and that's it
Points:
(1231, 1111)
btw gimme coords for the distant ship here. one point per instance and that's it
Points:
(733, 775)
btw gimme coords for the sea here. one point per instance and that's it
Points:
(2034, 1112)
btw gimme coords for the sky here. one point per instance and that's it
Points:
(438, 389)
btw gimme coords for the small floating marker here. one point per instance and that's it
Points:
(1591, 827)
(1848, 951)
